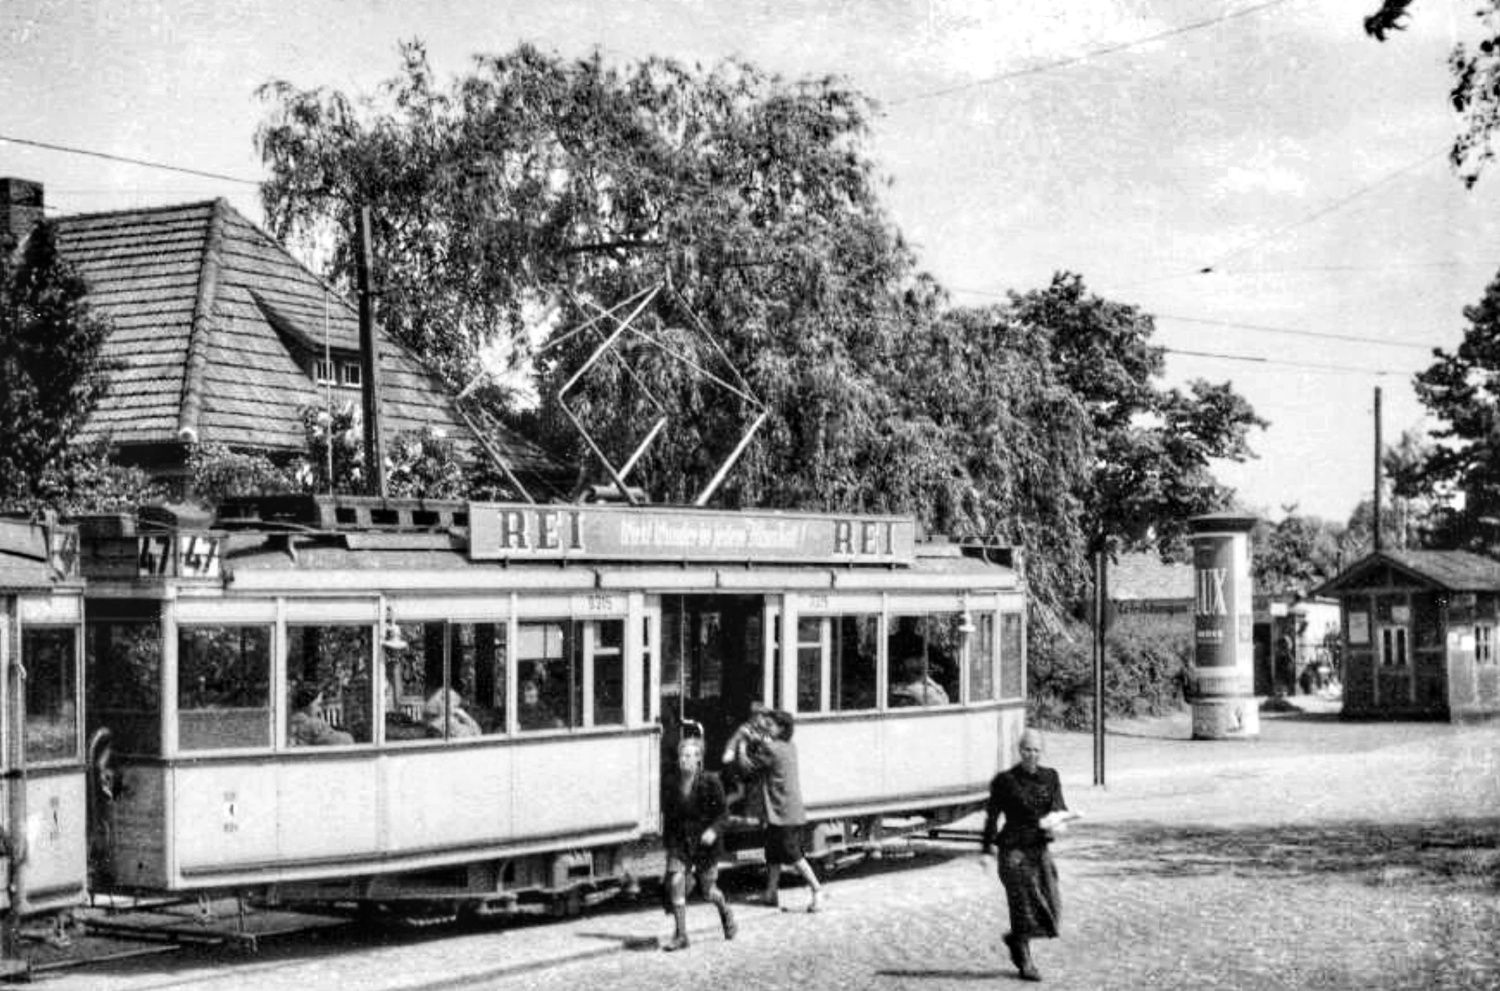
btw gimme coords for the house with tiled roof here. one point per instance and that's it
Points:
(1418, 634)
(220, 336)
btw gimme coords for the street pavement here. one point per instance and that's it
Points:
(1324, 855)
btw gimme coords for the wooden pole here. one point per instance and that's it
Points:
(369, 360)
(1101, 627)
(1375, 537)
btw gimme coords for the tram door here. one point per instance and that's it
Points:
(713, 663)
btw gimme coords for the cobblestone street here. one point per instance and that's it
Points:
(1324, 855)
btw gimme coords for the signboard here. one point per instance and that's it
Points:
(506, 531)
(158, 555)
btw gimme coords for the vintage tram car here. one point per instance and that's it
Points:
(43, 788)
(342, 699)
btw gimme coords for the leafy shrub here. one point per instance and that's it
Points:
(1145, 671)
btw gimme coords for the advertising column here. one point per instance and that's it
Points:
(1223, 671)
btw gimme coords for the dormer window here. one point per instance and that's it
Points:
(349, 373)
(323, 372)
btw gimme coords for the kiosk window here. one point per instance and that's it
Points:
(925, 652)
(1484, 644)
(223, 687)
(982, 658)
(51, 658)
(330, 700)
(123, 675)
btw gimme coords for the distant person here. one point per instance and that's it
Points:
(774, 758)
(1025, 795)
(307, 726)
(450, 720)
(916, 686)
(694, 813)
(532, 712)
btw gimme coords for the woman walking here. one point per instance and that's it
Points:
(1027, 795)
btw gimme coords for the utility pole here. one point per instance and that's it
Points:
(369, 359)
(1101, 627)
(1375, 534)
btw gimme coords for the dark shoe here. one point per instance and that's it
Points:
(731, 927)
(1016, 957)
(760, 899)
(678, 942)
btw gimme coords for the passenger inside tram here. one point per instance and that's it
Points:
(446, 718)
(307, 727)
(532, 711)
(916, 686)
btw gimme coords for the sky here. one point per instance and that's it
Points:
(1262, 178)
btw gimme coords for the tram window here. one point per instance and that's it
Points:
(328, 683)
(854, 659)
(924, 654)
(982, 658)
(811, 639)
(1012, 656)
(123, 675)
(477, 653)
(609, 671)
(545, 665)
(51, 658)
(223, 687)
(415, 708)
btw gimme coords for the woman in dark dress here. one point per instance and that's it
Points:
(694, 814)
(1024, 795)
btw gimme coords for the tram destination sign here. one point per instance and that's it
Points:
(505, 531)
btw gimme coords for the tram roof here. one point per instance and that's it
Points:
(439, 561)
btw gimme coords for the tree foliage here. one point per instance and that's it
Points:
(1461, 389)
(52, 372)
(1152, 448)
(1476, 82)
(516, 205)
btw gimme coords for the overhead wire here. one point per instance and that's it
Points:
(1063, 63)
(108, 156)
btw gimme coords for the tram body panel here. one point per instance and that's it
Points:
(435, 797)
(864, 765)
(56, 854)
(583, 785)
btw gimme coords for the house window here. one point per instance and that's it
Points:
(349, 373)
(323, 372)
(1484, 644)
(1393, 646)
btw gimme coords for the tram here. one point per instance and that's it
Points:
(356, 700)
(43, 789)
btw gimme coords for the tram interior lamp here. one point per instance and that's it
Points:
(967, 626)
(390, 634)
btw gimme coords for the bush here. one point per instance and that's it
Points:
(1145, 671)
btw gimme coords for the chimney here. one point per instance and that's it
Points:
(21, 203)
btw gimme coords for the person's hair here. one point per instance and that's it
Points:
(305, 695)
(785, 723)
